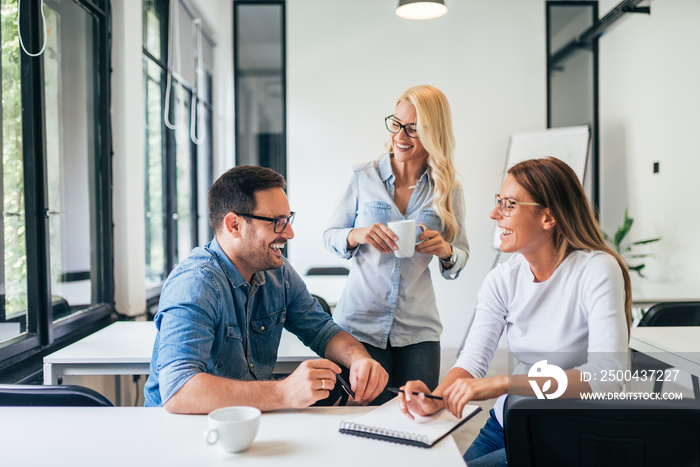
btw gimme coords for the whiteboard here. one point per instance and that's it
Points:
(570, 144)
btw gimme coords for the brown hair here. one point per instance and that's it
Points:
(553, 184)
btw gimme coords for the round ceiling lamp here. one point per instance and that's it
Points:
(421, 9)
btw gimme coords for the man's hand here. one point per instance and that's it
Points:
(367, 379)
(311, 381)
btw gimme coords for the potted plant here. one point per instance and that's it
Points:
(624, 248)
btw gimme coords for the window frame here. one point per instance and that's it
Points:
(238, 73)
(169, 154)
(594, 162)
(43, 335)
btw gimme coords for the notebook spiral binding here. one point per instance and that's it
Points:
(400, 437)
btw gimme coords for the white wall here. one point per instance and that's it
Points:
(650, 111)
(128, 173)
(347, 62)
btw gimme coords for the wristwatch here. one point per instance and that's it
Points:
(449, 262)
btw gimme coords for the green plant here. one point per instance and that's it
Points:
(624, 249)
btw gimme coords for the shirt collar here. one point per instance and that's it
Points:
(385, 167)
(386, 173)
(230, 270)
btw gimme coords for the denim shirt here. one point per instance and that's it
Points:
(388, 299)
(211, 320)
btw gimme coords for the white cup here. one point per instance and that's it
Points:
(232, 428)
(406, 231)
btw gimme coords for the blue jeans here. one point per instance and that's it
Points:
(412, 362)
(488, 449)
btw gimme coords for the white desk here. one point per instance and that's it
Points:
(122, 348)
(650, 293)
(677, 346)
(136, 436)
(125, 348)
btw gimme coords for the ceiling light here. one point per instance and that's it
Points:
(421, 9)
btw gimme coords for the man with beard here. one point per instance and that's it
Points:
(222, 311)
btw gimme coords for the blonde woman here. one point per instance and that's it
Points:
(388, 303)
(564, 296)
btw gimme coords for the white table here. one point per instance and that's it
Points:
(125, 348)
(122, 348)
(137, 436)
(678, 346)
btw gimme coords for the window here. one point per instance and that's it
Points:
(155, 42)
(56, 269)
(572, 76)
(259, 72)
(177, 58)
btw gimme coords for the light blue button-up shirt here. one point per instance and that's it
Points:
(388, 299)
(210, 319)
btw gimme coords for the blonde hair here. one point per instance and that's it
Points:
(434, 124)
(553, 184)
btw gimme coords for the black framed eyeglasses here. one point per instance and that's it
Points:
(281, 223)
(394, 126)
(506, 205)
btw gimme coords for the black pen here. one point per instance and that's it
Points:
(345, 386)
(429, 396)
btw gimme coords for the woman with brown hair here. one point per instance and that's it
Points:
(564, 296)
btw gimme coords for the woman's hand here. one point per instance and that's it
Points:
(378, 235)
(464, 390)
(411, 404)
(433, 244)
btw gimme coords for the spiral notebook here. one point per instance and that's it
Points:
(388, 423)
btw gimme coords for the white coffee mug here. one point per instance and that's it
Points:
(406, 231)
(232, 428)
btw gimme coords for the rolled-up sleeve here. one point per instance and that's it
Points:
(306, 318)
(342, 221)
(186, 328)
(460, 245)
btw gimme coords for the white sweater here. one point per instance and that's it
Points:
(574, 319)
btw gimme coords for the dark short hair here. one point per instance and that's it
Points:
(235, 191)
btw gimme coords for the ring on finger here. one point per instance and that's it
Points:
(323, 384)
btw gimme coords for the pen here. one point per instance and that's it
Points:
(345, 386)
(429, 396)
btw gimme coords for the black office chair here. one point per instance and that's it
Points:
(672, 314)
(323, 303)
(18, 395)
(328, 271)
(667, 314)
(543, 433)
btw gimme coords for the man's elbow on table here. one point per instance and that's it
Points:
(178, 403)
(187, 400)
(173, 406)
